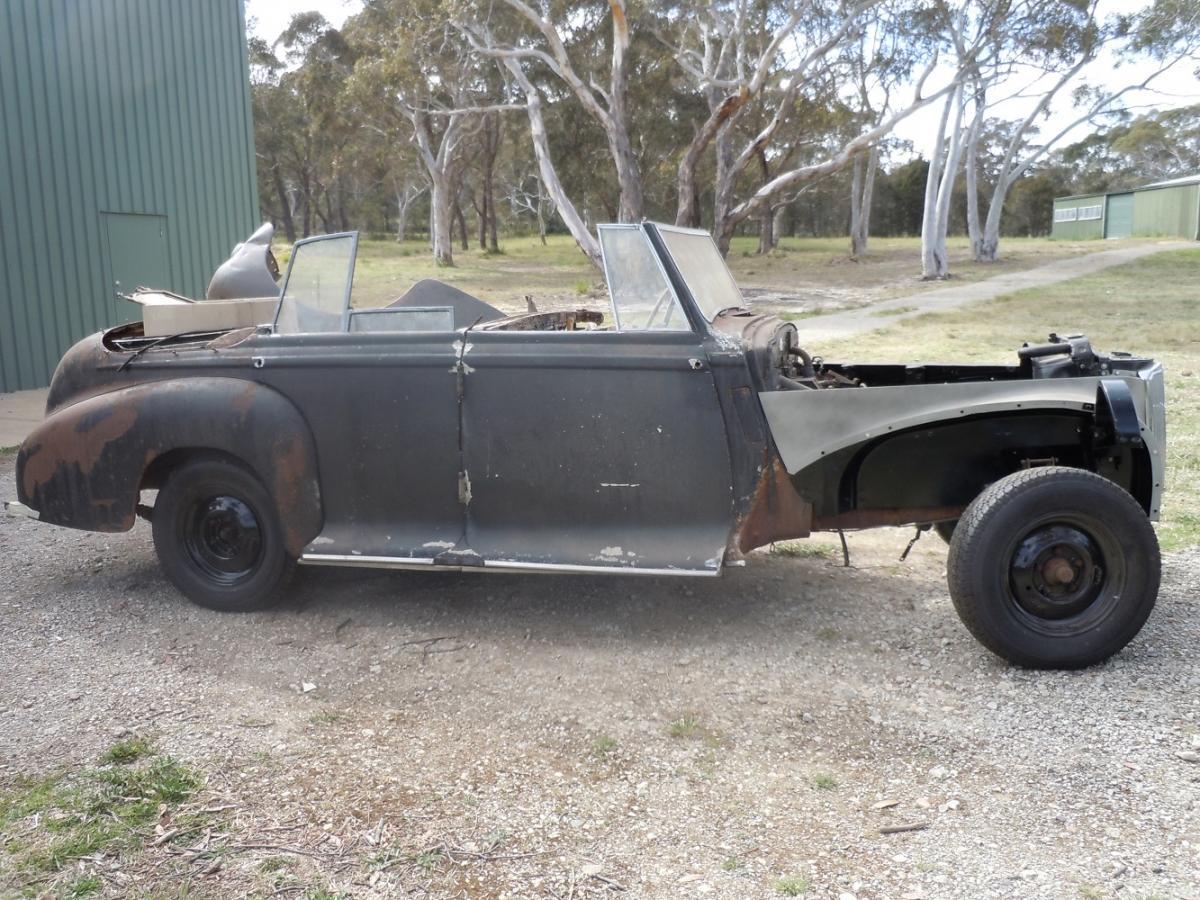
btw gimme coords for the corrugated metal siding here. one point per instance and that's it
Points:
(1077, 230)
(118, 106)
(1167, 212)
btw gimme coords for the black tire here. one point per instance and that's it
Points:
(1054, 568)
(945, 530)
(218, 537)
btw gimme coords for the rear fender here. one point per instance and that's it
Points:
(84, 466)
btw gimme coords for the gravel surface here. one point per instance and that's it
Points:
(395, 734)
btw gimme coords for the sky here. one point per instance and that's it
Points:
(1180, 87)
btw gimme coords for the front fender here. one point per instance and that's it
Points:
(83, 466)
(929, 448)
(809, 425)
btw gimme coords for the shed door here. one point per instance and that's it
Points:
(137, 254)
(1119, 217)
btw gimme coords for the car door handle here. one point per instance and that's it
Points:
(697, 365)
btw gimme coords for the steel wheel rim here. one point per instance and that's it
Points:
(1064, 575)
(223, 538)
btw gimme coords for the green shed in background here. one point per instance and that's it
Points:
(1164, 209)
(126, 159)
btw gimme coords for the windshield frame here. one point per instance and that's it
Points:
(304, 242)
(656, 252)
(659, 230)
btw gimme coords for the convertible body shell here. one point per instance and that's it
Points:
(531, 443)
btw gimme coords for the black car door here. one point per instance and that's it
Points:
(602, 448)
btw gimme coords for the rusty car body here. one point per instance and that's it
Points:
(670, 437)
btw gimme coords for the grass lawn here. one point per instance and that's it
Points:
(805, 274)
(1149, 307)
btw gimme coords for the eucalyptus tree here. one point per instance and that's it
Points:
(414, 76)
(1048, 51)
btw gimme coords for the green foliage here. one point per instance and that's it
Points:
(792, 886)
(128, 750)
(67, 816)
(685, 727)
(604, 745)
(85, 886)
(803, 550)
(824, 782)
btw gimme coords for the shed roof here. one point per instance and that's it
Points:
(1170, 182)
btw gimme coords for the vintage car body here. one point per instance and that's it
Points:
(438, 433)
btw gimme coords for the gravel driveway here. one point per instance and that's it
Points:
(393, 734)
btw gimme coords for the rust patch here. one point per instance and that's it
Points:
(777, 512)
(874, 518)
(291, 484)
(75, 444)
(244, 399)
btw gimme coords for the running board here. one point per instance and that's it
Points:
(490, 565)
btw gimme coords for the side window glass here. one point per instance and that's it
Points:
(642, 297)
(316, 291)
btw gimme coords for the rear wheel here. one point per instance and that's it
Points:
(218, 537)
(1054, 568)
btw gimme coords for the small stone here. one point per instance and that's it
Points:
(884, 804)
(938, 773)
(923, 802)
(26, 704)
(1196, 741)
(846, 895)
(307, 686)
(1189, 756)
(73, 696)
(590, 870)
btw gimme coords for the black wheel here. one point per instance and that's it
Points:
(945, 530)
(218, 537)
(1054, 568)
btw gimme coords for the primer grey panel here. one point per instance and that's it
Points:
(807, 425)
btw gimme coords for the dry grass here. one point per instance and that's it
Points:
(807, 272)
(1149, 307)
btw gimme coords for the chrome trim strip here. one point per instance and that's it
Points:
(491, 565)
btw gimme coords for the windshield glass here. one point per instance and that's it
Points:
(316, 291)
(641, 296)
(700, 263)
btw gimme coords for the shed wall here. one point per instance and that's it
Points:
(1167, 212)
(114, 108)
(1078, 229)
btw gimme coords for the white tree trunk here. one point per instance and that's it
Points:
(549, 175)
(402, 204)
(441, 201)
(989, 240)
(938, 188)
(862, 189)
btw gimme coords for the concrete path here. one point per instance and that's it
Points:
(19, 413)
(875, 317)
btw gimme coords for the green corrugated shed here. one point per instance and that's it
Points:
(126, 156)
(1078, 218)
(1165, 209)
(1168, 211)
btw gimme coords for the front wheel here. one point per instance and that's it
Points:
(1054, 568)
(218, 537)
